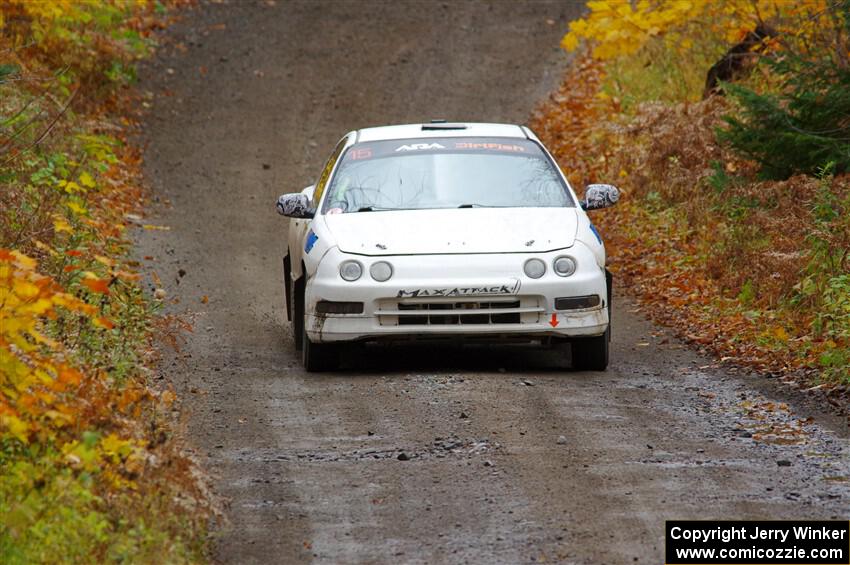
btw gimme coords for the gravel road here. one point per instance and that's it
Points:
(506, 458)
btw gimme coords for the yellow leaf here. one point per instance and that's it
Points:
(60, 225)
(59, 419)
(25, 289)
(76, 208)
(44, 247)
(41, 306)
(114, 445)
(70, 187)
(24, 262)
(15, 426)
(102, 322)
(569, 42)
(624, 10)
(86, 180)
(599, 5)
(104, 260)
(578, 27)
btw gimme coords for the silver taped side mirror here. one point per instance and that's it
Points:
(597, 196)
(295, 205)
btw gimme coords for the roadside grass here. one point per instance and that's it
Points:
(91, 467)
(754, 270)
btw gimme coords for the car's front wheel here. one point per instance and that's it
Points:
(287, 286)
(591, 353)
(317, 357)
(297, 293)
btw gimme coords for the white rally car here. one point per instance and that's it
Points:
(444, 230)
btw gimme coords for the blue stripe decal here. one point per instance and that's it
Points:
(596, 233)
(312, 238)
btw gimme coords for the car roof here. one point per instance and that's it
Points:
(441, 129)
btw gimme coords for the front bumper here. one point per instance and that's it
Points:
(477, 295)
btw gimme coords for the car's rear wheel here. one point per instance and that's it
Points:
(318, 357)
(591, 353)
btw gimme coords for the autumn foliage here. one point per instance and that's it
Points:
(90, 468)
(617, 28)
(754, 270)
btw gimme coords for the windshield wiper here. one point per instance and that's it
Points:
(469, 205)
(377, 209)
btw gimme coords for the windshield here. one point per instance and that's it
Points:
(444, 173)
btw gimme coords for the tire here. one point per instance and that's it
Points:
(298, 313)
(591, 353)
(318, 357)
(609, 281)
(287, 285)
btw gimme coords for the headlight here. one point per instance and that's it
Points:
(350, 270)
(381, 271)
(564, 266)
(534, 268)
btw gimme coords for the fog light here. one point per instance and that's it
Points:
(350, 270)
(534, 268)
(577, 302)
(564, 266)
(328, 307)
(381, 271)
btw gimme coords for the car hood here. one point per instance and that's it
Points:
(464, 230)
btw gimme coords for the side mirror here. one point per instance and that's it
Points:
(598, 196)
(295, 205)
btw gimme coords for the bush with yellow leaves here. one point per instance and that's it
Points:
(90, 468)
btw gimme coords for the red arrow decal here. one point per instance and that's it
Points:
(554, 321)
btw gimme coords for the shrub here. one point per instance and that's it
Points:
(90, 470)
(799, 130)
(753, 268)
